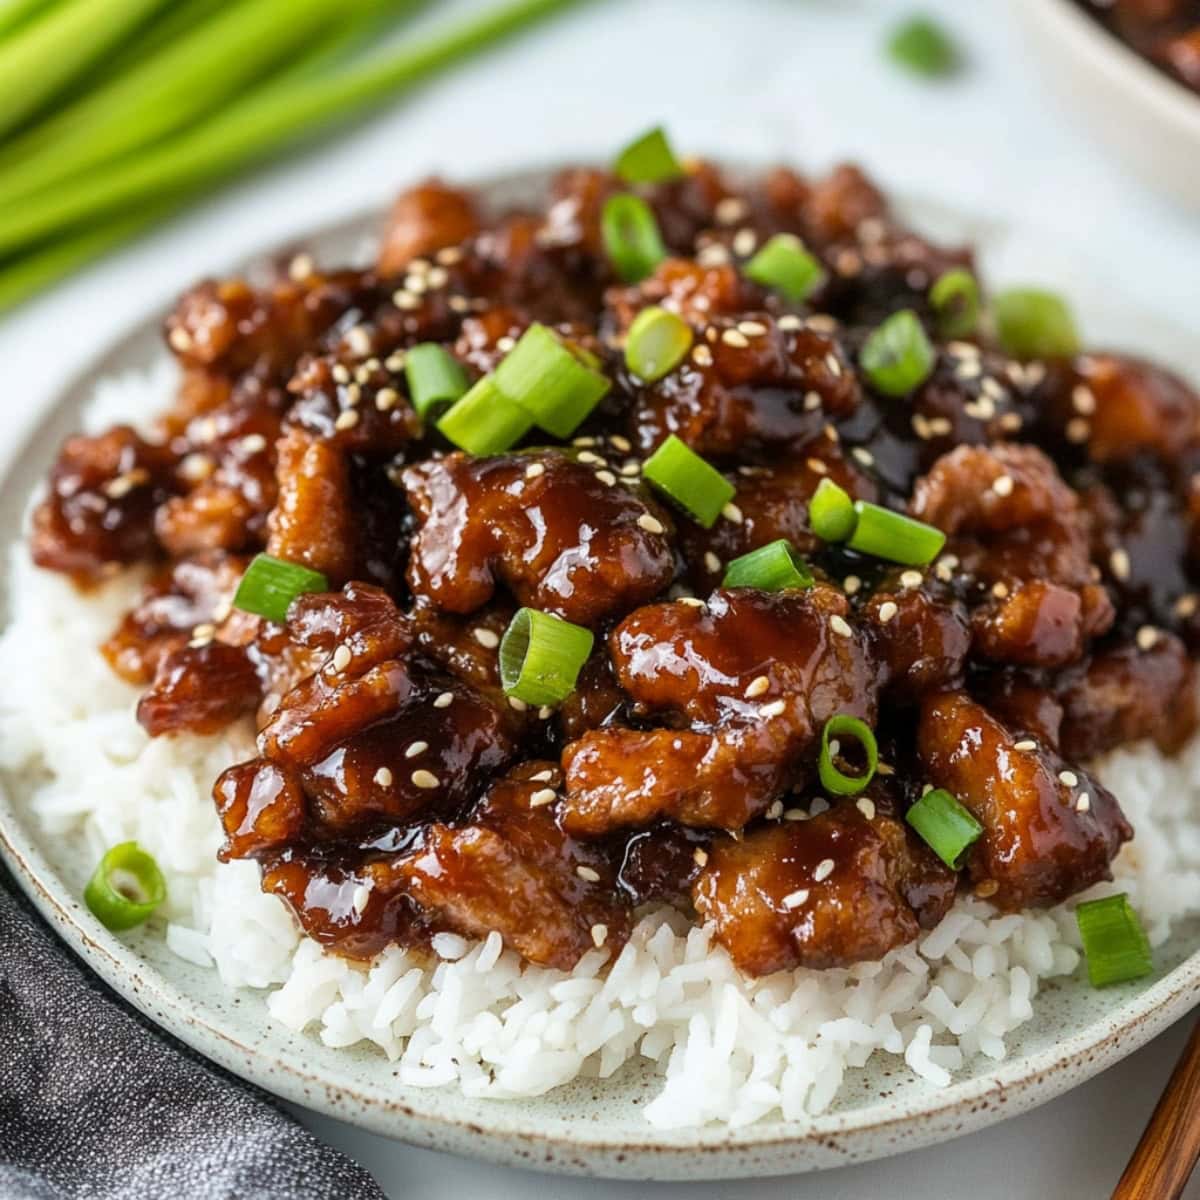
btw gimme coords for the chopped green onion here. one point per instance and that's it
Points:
(649, 159)
(955, 300)
(271, 584)
(945, 826)
(1114, 941)
(553, 381)
(834, 780)
(897, 356)
(435, 378)
(657, 343)
(1032, 323)
(541, 656)
(786, 267)
(922, 46)
(631, 238)
(485, 421)
(684, 477)
(771, 568)
(126, 888)
(893, 536)
(831, 513)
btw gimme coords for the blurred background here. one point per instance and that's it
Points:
(1009, 130)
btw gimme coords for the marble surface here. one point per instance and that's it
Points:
(799, 80)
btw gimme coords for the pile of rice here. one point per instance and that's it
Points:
(728, 1049)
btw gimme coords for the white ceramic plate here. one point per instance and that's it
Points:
(596, 1127)
(1149, 119)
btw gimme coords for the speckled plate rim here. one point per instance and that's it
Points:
(498, 1131)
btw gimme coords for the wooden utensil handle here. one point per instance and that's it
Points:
(1164, 1158)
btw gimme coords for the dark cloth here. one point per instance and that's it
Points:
(96, 1103)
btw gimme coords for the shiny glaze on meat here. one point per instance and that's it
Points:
(397, 792)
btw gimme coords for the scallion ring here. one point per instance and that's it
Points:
(897, 357)
(1114, 941)
(831, 514)
(955, 300)
(893, 536)
(435, 378)
(269, 586)
(685, 478)
(945, 826)
(631, 238)
(657, 342)
(126, 888)
(771, 568)
(649, 159)
(837, 781)
(541, 656)
(786, 267)
(556, 383)
(485, 421)
(1032, 323)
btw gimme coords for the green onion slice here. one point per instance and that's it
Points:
(631, 238)
(771, 568)
(541, 657)
(1032, 323)
(657, 343)
(832, 779)
(831, 514)
(126, 888)
(649, 159)
(555, 382)
(945, 826)
(435, 378)
(956, 304)
(897, 357)
(1114, 941)
(786, 267)
(485, 421)
(271, 584)
(685, 478)
(893, 536)
(923, 47)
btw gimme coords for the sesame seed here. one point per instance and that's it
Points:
(840, 626)
(795, 814)
(301, 267)
(599, 934)
(1000, 590)
(1185, 606)
(588, 458)
(824, 870)
(534, 470)
(731, 512)
(1084, 803)
(459, 304)
(123, 484)
(775, 810)
(816, 466)
(545, 712)
(630, 468)
(416, 283)
(425, 779)
(790, 322)
(745, 241)
(1011, 422)
(700, 857)
(438, 277)
(939, 426)
(359, 341)
(395, 362)
(730, 210)
(1083, 400)
(911, 579)
(517, 704)
(180, 339)
(812, 401)
(353, 394)
(752, 328)
(774, 709)
(1003, 485)
(487, 638)
(1025, 745)
(866, 806)
(712, 255)
(416, 748)
(926, 788)
(795, 899)
(986, 887)
(588, 874)
(885, 769)
(756, 686)
(887, 610)
(362, 894)
(342, 658)
(405, 300)
(832, 364)
(651, 524)
(691, 601)
(1147, 637)
(711, 562)
(449, 256)
(386, 398)
(1069, 778)
(346, 420)
(822, 323)
(734, 337)
(606, 477)
(864, 456)
(542, 796)
(851, 584)
(1078, 430)
(1118, 560)
(702, 356)
(444, 700)
(383, 777)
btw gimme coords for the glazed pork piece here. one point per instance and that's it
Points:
(420, 769)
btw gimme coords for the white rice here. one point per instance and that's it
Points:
(729, 1049)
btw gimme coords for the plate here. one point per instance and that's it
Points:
(1148, 119)
(589, 1126)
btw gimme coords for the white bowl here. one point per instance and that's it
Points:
(1151, 121)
